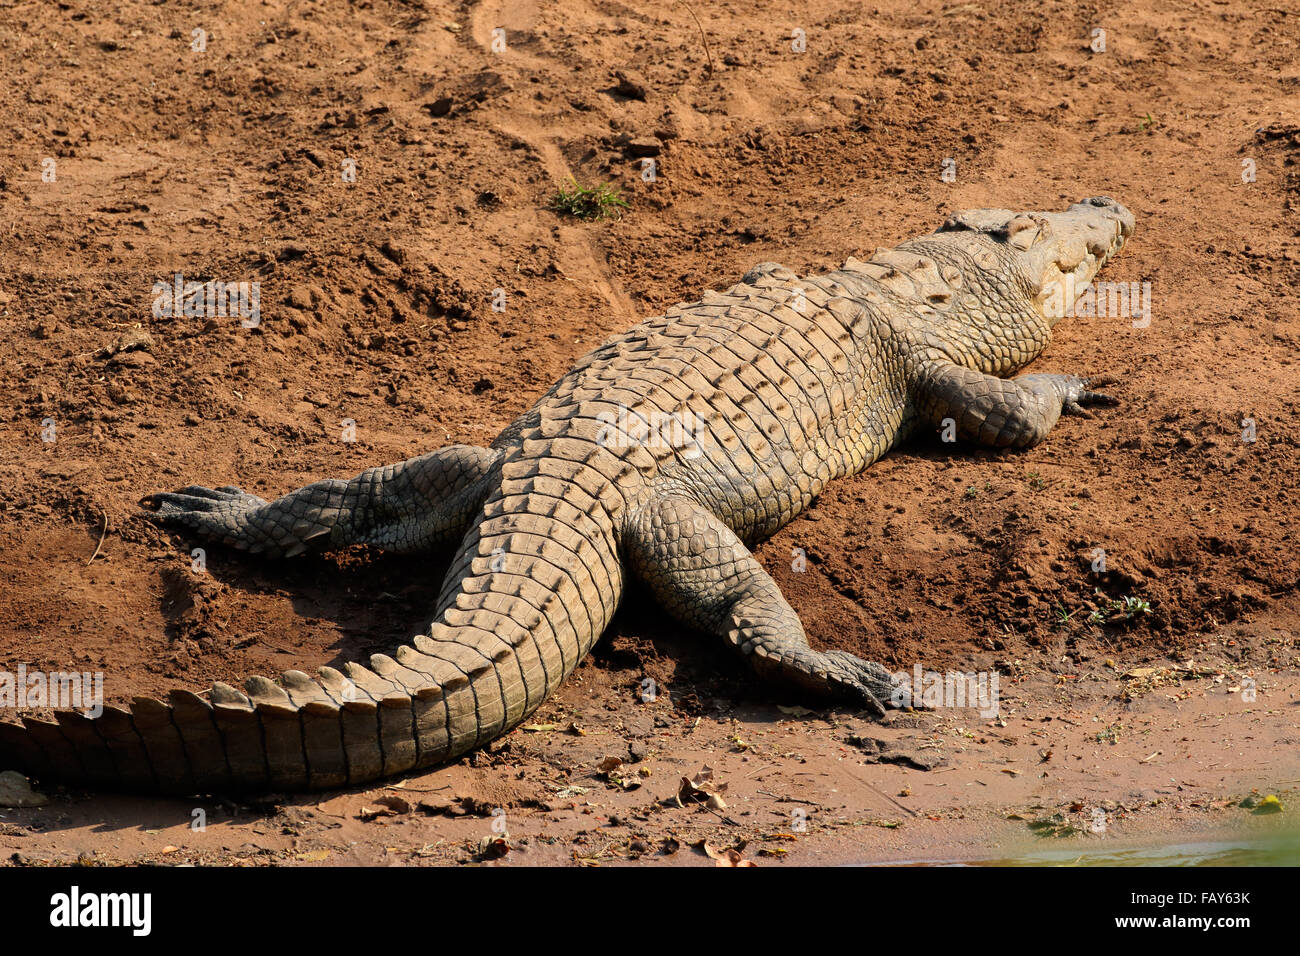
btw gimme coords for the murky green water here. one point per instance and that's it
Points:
(1273, 850)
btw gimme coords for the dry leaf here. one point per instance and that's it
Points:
(727, 857)
(701, 788)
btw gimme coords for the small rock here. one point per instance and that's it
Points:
(300, 298)
(439, 107)
(395, 802)
(637, 750)
(873, 745)
(643, 146)
(631, 84)
(16, 791)
(132, 340)
(393, 251)
(133, 360)
(916, 759)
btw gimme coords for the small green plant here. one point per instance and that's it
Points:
(1035, 480)
(1134, 606)
(589, 202)
(1147, 123)
(972, 491)
(1124, 609)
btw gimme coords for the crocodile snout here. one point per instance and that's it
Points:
(1116, 211)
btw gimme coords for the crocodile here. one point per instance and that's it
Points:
(663, 456)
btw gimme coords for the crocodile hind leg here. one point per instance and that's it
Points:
(1000, 412)
(406, 507)
(702, 573)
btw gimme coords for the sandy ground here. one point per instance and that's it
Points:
(129, 156)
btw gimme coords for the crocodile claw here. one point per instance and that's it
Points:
(166, 504)
(866, 680)
(1078, 393)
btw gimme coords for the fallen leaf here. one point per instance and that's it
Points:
(314, 856)
(701, 788)
(727, 857)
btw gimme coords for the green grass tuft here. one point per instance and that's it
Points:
(589, 202)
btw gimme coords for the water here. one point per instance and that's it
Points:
(1280, 849)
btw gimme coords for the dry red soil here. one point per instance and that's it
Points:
(127, 156)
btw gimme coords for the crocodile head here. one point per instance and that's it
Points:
(1058, 252)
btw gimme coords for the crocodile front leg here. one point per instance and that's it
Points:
(702, 573)
(1000, 412)
(405, 508)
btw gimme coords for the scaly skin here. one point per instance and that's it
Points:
(772, 389)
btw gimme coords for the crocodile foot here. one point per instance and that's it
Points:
(1076, 393)
(227, 515)
(865, 681)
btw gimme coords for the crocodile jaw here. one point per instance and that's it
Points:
(1067, 250)
(1059, 253)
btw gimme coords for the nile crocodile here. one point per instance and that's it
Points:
(770, 390)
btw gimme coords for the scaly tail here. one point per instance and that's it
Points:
(531, 590)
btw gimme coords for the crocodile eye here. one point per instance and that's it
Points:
(1022, 232)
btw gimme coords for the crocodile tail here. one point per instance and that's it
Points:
(533, 586)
